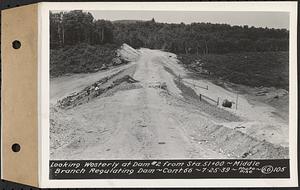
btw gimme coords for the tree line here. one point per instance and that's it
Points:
(73, 27)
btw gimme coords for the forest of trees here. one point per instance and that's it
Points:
(70, 28)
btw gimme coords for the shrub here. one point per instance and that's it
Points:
(81, 58)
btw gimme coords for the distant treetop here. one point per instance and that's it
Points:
(73, 27)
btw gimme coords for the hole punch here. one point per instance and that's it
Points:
(16, 147)
(16, 44)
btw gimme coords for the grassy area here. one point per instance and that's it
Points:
(269, 69)
(81, 58)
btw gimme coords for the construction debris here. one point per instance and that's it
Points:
(104, 67)
(271, 92)
(117, 61)
(161, 85)
(126, 78)
(92, 91)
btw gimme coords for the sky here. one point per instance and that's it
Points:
(257, 19)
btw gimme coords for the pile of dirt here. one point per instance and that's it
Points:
(270, 92)
(236, 144)
(61, 130)
(126, 52)
(121, 87)
(160, 85)
(69, 101)
(98, 88)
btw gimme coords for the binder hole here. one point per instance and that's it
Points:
(16, 44)
(16, 147)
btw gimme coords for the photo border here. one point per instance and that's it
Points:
(43, 86)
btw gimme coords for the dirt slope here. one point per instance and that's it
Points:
(149, 121)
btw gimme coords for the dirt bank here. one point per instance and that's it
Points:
(153, 118)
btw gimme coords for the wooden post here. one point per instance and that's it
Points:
(206, 87)
(200, 97)
(218, 101)
(237, 97)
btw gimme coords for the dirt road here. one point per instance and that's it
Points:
(150, 122)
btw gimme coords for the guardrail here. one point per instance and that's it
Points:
(206, 97)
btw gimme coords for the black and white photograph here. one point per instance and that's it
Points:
(169, 85)
(150, 94)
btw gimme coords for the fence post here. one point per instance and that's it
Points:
(200, 97)
(206, 87)
(218, 101)
(237, 96)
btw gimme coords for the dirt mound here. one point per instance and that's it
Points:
(236, 144)
(126, 78)
(60, 130)
(127, 53)
(98, 88)
(160, 85)
(121, 87)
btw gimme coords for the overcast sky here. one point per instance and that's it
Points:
(257, 19)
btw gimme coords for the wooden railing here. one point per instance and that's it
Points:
(201, 96)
